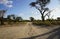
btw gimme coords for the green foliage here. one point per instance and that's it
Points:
(43, 2)
(55, 22)
(31, 19)
(58, 18)
(18, 19)
(41, 7)
(8, 17)
(42, 23)
(11, 17)
(25, 21)
(47, 23)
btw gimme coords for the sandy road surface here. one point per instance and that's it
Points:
(18, 32)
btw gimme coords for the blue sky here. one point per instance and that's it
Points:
(23, 9)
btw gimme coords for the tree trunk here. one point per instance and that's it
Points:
(1, 20)
(43, 18)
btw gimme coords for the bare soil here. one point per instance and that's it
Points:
(27, 31)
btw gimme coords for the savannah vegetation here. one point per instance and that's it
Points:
(40, 5)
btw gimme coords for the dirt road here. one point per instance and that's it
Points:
(23, 32)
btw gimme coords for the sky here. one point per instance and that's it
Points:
(23, 9)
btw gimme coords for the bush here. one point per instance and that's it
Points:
(55, 22)
(47, 23)
(41, 23)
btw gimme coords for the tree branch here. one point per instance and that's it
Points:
(38, 9)
(48, 13)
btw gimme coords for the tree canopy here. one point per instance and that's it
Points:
(40, 5)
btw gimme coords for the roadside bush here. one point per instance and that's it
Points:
(58, 22)
(55, 22)
(47, 23)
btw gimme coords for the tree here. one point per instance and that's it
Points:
(31, 18)
(8, 17)
(11, 17)
(58, 18)
(49, 13)
(19, 19)
(41, 6)
(2, 12)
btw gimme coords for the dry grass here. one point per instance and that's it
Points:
(11, 24)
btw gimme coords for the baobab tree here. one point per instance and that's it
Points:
(41, 6)
(2, 12)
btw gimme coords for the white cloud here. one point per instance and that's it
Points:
(20, 14)
(7, 3)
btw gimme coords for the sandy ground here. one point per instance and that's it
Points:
(24, 31)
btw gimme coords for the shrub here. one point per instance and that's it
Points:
(42, 23)
(54, 23)
(48, 23)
